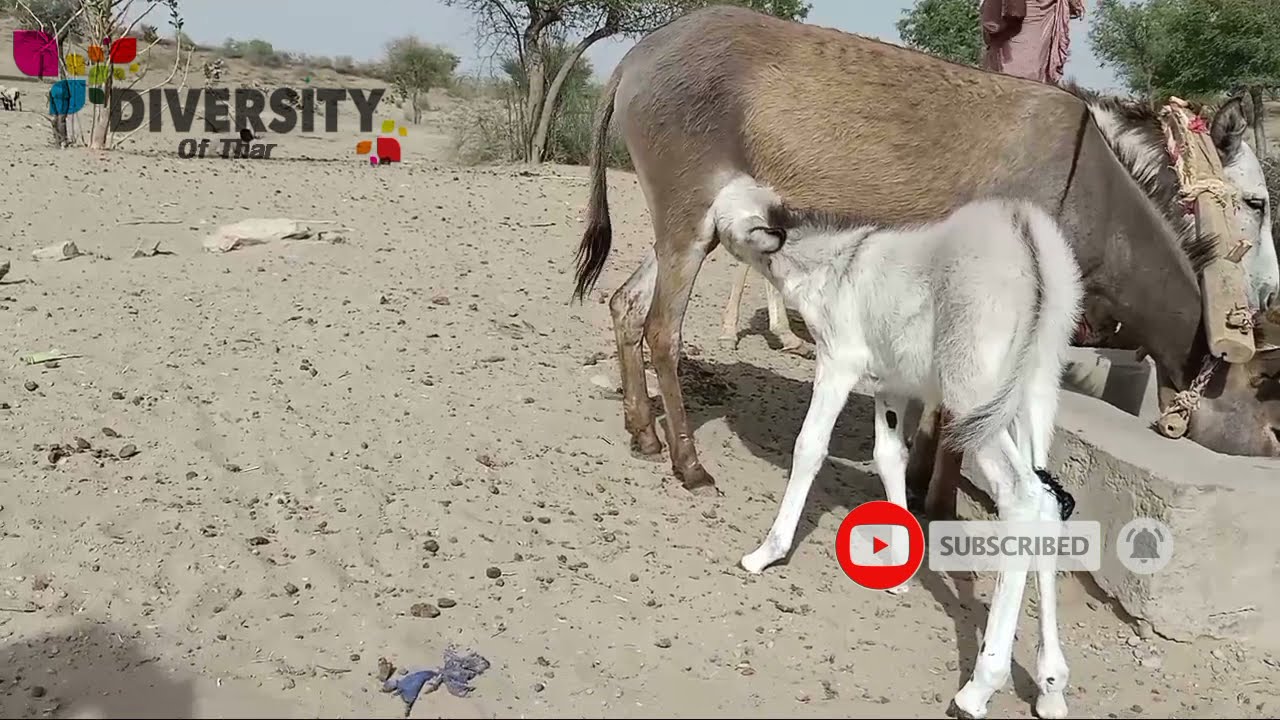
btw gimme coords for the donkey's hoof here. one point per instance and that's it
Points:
(728, 342)
(971, 701)
(796, 346)
(698, 482)
(646, 446)
(1051, 706)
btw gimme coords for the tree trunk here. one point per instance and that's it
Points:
(102, 120)
(1259, 123)
(535, 100)
(539, 142)
(58, 123)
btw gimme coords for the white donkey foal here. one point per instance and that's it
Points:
(973, 313)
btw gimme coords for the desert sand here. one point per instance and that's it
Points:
(293, 459)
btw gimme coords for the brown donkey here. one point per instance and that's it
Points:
(835, 121)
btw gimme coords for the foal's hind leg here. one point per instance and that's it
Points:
(1020, 498)
(680, 256)
(1052, 672)
(729, 322)
(629, 307)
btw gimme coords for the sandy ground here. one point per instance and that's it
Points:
(339, 445)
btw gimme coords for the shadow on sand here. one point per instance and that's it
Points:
(89, 670)
(766, 411)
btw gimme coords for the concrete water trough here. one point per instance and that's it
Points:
(1223, 580)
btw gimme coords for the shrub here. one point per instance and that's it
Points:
(256, 52)
(490, 130)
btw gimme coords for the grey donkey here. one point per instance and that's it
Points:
(1135, 132)
(832, 121)
(973, 313)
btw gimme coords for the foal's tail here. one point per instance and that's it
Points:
(1044, 339)
(598, 236)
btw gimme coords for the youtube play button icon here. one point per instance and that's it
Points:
(880, 545)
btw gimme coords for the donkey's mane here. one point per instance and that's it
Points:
(788, 217)
(1139, 144)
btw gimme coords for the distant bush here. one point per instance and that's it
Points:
(489, 130)
(495, 130)
(256, 52)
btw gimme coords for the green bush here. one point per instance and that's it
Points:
(491, 130)
(256, 52)
(496, 130)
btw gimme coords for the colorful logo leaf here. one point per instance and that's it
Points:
(124, 50)
(384, 149)
(35, 52)
(67, 97)
(76, 64)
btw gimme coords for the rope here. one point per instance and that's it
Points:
(1186, 402)
(1192, 186)
(1243, 319)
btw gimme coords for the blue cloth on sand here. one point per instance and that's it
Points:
(456, 674)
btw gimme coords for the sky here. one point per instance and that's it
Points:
(361, 29)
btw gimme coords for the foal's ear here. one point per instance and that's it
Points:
(777, 232)
(1228, 127)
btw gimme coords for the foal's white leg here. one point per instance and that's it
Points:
(831, 388)
(778, 323)
(1052, 672)
(1042, 408)
(729, 321)
(890, 453)
(1019, 497)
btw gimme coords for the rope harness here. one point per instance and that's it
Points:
(1191, 187)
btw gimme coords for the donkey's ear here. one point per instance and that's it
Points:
(1228, 127)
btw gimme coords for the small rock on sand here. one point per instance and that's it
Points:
(424, 610)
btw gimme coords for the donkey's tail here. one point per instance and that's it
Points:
(598, 236)
(1045, 338)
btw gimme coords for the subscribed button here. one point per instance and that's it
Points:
(880, 545)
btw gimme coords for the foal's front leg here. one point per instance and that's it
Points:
(831, 387)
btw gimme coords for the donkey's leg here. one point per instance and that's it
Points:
(924, 447)
(681, 251)
(831, 388)
(1019, 497)
(729, 322)
(629, 307)
(780, 326)
(890, 453)
(944, 483)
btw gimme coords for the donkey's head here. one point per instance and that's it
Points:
(1252, 219)
(1240, 411)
